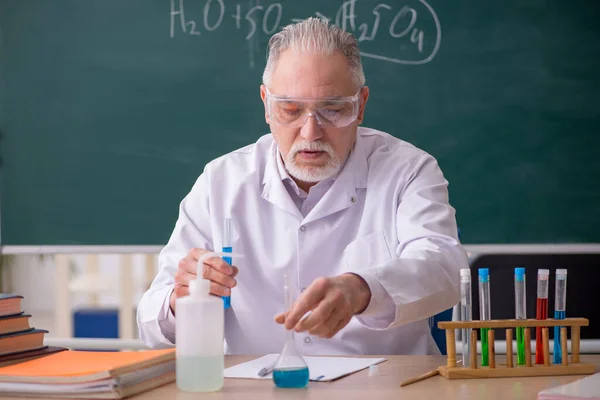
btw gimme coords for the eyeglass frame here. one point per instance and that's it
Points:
(355, 99)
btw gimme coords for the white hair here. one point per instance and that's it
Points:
(315, 35)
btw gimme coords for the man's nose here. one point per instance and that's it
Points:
(311, 130)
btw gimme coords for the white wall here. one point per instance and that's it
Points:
(33, 277)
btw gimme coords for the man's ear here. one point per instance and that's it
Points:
(364, 96)
(263, 96)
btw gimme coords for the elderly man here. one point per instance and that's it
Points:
(358, 218)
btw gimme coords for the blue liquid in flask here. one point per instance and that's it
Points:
(291, 378)
(290, 370)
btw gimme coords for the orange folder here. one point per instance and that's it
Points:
(83, 366)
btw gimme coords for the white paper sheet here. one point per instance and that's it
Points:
(320, 369)
(586, 388)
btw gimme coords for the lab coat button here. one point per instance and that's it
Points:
(307, 340)
(353, 199)
(303, 228)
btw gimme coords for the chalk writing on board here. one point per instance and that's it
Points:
(413, 27)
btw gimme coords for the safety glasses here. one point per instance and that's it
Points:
(293, 112)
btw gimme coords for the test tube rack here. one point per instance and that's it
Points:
(493, 370)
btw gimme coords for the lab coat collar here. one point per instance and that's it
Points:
(341, 195)
(274, 190)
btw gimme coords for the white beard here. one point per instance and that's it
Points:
(312, 174)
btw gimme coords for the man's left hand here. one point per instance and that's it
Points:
(333, 302)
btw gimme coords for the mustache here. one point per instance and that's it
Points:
(311, 146)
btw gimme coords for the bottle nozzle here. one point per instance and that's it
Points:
(206, 256)
(201, 286)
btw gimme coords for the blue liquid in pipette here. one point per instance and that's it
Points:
(557, 356)
(291, 378)
(227, 299)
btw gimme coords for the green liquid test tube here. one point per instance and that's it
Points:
(520, 313)
(520, 345)
(484, 347)
(484, 311)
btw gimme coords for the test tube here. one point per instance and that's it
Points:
(520, 313)
(484, 312)
(227, 247)
(465, 313)
(560, 305)
(541, 312)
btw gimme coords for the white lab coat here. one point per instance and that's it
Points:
(386, 217)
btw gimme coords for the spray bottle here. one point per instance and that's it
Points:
(199, 335)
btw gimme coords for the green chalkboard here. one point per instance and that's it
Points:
(110, 109)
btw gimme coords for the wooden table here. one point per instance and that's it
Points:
(360, 386)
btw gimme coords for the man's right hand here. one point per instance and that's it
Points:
(215, 269)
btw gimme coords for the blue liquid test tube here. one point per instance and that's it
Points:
(560, 305)
(227, 248)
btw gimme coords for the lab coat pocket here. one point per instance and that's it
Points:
(366, 251)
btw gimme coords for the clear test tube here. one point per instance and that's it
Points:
(465, 313)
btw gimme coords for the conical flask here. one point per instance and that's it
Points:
(290, 369)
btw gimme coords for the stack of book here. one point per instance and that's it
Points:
(28, 368)
(19, 341)
(89, 374)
